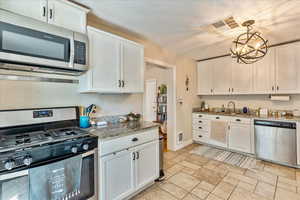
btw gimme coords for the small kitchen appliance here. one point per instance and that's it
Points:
(45, 155)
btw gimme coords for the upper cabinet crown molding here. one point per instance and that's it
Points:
(61, 13)
(276, 73)
(116, 64)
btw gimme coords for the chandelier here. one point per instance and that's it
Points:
(250, 46)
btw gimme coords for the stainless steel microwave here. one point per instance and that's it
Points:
(28, 41)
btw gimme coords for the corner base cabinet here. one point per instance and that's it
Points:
(116, 65)
(123, 172)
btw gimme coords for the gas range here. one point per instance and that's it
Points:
(29, 137)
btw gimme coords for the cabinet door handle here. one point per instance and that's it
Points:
(200, 136)
(272, 88)
(238, 120)
(277, 87)
(211, 90)
(199, 115)
(217, 117)
(200, 127)
(123, 83)
(137, 155)
(44, 11)
(51, 13)
(134, 139)
(200, 121)
(120, 83)
(229, 90)
(133, 155)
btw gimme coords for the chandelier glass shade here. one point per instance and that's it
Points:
(250, 46)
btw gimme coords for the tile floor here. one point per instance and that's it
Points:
(193, 177)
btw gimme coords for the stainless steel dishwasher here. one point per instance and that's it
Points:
(276, 141)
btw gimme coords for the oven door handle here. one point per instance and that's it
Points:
(88, 153)
(14, 175)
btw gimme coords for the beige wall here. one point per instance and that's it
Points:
(185, 68)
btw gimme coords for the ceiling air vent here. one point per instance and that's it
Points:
(228, 23)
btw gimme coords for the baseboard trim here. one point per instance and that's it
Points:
(183, 144)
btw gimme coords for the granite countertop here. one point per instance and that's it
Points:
(252, 116)
(117, 130)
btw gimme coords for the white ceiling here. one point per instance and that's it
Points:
(183, 25)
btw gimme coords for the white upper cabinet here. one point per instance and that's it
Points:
(287, 72)
(132, 65)
(264, 74)
(65, 14)
(205, 82)
(241, 78)
(116, 65)
(222, 70)
(36, 9)
(61, 13)
(277, 73)
(105, 74)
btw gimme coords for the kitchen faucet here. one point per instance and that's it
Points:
(231, 102)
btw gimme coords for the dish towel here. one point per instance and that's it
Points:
(56, 181)
(218, 131)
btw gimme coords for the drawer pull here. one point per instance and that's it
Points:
(134, 139)
(238, 120)
(200, 127)
(199, 115)
(200, 121)
(217, 117)
(200, 136)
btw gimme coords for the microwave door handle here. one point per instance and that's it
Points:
(72, 53)
(14, 175)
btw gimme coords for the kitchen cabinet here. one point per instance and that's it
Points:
(147, 161)
(57, 12)
(287, 72)
(116, 65)
(128, 164)
(205, 75)
(104, 71)
(233, 133)
(239, 137)
(222, 69)
(133, 72)
(264, 74)
(36, 9)
(117, 175)
(241, 78)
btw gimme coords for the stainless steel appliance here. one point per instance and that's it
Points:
(276, 141)
(44, 156)
(39, 46)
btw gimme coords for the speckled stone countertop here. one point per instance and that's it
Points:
(117, 130)
(279, 118)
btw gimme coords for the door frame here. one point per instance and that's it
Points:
(171, 118)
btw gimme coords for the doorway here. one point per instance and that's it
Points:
(159, 99)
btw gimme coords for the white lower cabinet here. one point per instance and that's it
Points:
(125, 172)
(224, 131)
(240, 137)
(147, 162)
(117, 175)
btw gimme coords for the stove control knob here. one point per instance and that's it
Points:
(85, 147)
(27, 160)
(9, 164)
(74, 149)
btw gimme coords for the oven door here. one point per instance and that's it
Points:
(22, 45)
(72, 178)
(14, 185)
